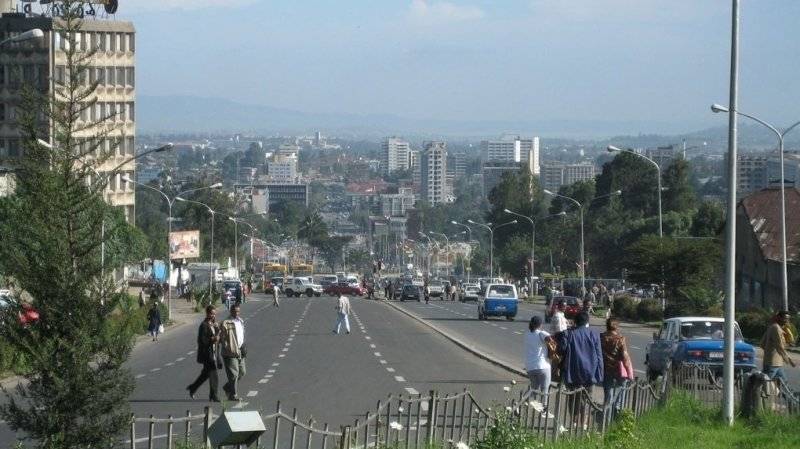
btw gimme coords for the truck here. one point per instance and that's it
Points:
(300, 285)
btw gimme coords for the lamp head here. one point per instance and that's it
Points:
(547, 192)
(716, 108)
(470, 221)
(126, 178)
(165, 147)
(44, 143)
(216, 186)
(506, 211)
(180, 199)
(454, 222)
(514, 222)
(613, 149)
(617, 193)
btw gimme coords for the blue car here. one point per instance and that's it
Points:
(498, 300)
(695, 340)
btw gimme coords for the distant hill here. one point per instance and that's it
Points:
(197, 114)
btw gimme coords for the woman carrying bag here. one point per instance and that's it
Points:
(617, 366)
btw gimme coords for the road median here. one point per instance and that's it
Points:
(462, 343)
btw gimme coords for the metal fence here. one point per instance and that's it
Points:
(412, 422)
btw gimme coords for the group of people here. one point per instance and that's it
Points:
(578, 357)
(220, 345)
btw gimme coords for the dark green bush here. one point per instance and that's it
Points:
(624, 307)
(649, 310)
(754, 323)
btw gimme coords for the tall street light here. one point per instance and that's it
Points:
(447, 254)
(613, 149)
(428, 257)
(533, 240)
(580, 210)
(170, 202)
(469, 239)
(35, 33)
(780, 135)
(211, 262)
(488, 226)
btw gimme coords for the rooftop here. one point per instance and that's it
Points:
(763, 211)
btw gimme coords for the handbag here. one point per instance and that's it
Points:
(160, 328)
(622, 372)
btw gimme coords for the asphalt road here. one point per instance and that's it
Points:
(505, 339)
(294, 357)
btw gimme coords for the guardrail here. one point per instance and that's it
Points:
(415, 422)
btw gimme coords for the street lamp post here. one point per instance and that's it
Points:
(428, 257)
(447, 254)
(781, 136)
(469, 239)
(170, 202)
(580, 210)
(613, 149)
(491, 230)
(533, 242)
(211, 262)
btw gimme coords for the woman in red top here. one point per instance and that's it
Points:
(617, 366)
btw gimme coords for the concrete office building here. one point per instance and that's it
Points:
(663, 156)
(272, 193)
(553, 176)
(282, 168)
(513, 149)
(396, 204)
(751, 170)
(395, 155)
(529, 154)
(433, 170)
(33, 64)
(416, 167)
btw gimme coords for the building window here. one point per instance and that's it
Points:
(130, 73)
(112, 42)
(131, 146)
(110, 78)
(13, 148)
(2, 112)
(121, 76)
(131, 42)
(121, 41)
(131, 112)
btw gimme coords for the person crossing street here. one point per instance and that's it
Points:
(233, 352)
(342, 313)
(208, 355)
(275, 302)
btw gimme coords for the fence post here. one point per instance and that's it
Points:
(431, 418)
(133, 431)
(170, 425)
(557, 414)
(188, 427)
(151, 431)
(344, 443)
(206, 425)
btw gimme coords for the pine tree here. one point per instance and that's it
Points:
(76, 390)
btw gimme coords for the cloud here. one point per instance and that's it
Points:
(169, 5)
(431, 13)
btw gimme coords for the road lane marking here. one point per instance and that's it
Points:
(412, 391)
(638, 371)
(280, 356)
(285, 350)
(252, 393)
(518, 332)
(241, 405)
(383, 362)
(180, 359)
(267, 376)
(169, 364)
(155, 369)
(276, 364)
(372, 346)
(399, 378)
(635, 347)
(270, 371)
(368, 337)
(390, 369)
(504, 328)
(377, 354)
(190, 353)
(139, 376)
(263, 381)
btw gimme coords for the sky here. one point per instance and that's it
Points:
(658, 62)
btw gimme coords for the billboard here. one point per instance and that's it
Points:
(184, 245)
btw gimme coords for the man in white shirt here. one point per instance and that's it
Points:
(537, 364)
(342, 312)
(233, 352)
(558, 322)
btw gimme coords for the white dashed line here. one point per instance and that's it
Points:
(263, 381)
(267, 376)
(504, 328)
(412, 391)
(155, 369)
(139, 376)
(518, 332)
(244, 404)
(638, 371)
(180, 359)
(285, 349)
(372, 346)
(399, 378)
(377, 354)
(276, 364)
(280, 356)
(169, 364)
(368, 337)
(271, 371)
(383, 362)
(252, 393)
(635, 347)
(190, 353)
(390, 369)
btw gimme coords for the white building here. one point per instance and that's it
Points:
(513, 149)
(40, 64)
(555, 175)
(396, 204)
(433, 171)
(395, 155)
(751, 172)
(282, 168)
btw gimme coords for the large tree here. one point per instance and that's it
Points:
(76, 390)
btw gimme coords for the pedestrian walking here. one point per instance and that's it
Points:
(427, 292)
(233, 352)
(342, 314)
(537, 363)
(154, 325)
(208, 355)
(583, 355)
(275, 302)
(617, 367)
(558, 322)
(774, 343)
(142, 301)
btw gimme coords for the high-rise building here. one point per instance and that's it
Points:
(553, 176)
(493, 173)
(513, 149)
(751, 172)
(415, 157)
(40, 64)
(663, 156)
(529, 154)
(395, 155)
(433, 170)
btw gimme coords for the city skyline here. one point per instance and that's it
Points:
(530, 61)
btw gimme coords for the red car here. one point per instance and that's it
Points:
(572, 307)
(345, 289)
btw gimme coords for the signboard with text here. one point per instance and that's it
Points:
(184, 245)
(55, 8)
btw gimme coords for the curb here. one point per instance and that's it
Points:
(462, 344)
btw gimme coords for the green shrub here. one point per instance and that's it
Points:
(649, 310)
(754, 323)
(624, 307)
(507, 433)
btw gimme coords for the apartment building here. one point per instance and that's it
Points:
(395, 155)
(433, 173)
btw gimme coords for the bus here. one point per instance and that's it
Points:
(272, 271)
(302, 269)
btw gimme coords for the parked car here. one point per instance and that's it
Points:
(411, 292)
(301, 285)
(572, 307)
(327, 280)
(498, 300)
(695, 340)
(436, 288)
(471, 292)
(343, 288)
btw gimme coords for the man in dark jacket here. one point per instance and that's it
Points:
(207, 355)
(583, 355)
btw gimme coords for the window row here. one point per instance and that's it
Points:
(100, 41)
(110, 112)
(13, 75)
(104, 76)
(122, 146)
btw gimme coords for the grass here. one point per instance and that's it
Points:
(684, 422)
